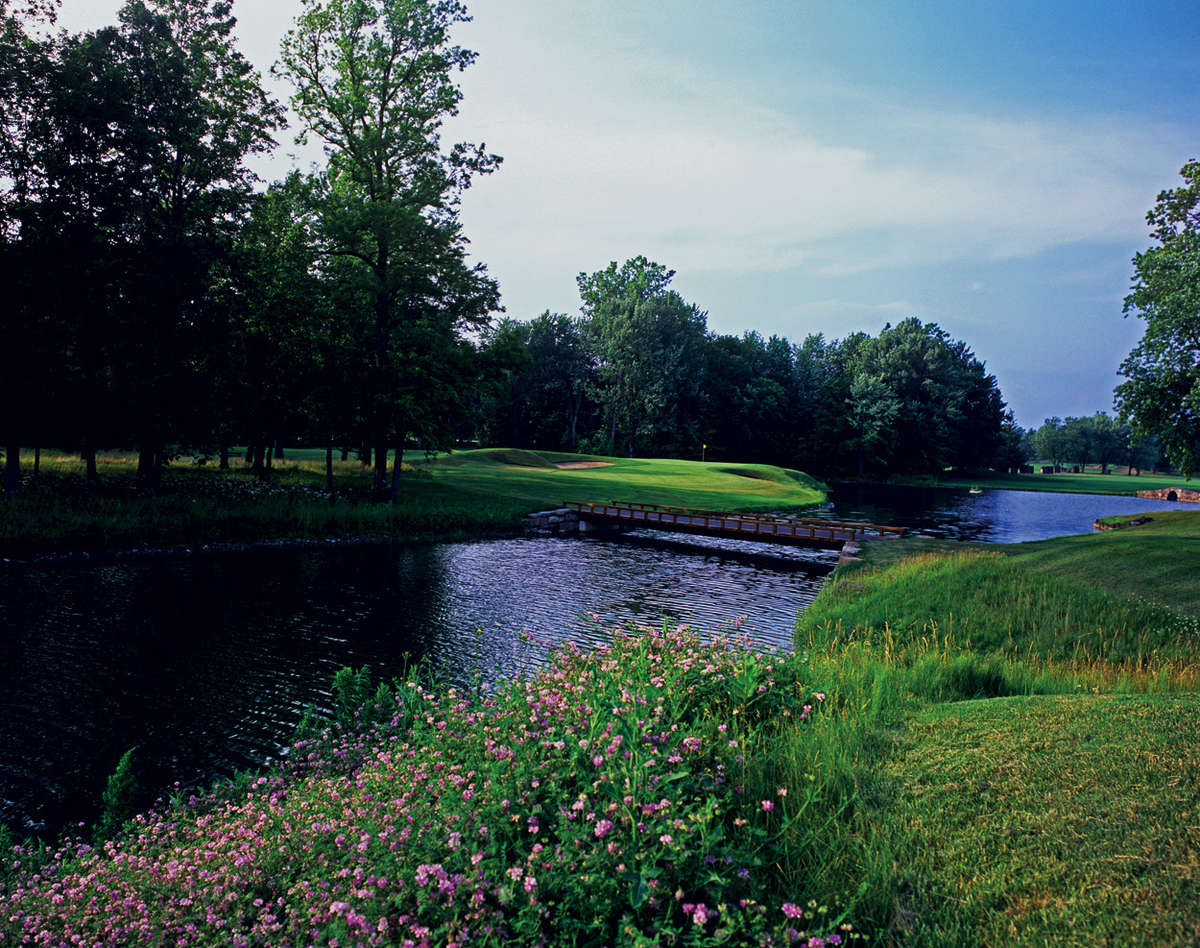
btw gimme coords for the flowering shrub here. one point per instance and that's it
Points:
(615, 798)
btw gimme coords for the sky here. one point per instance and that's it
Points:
(822, 167)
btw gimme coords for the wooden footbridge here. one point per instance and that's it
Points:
(766, 528)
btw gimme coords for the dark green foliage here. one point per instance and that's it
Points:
(119, 798)
(1161, 393)
(1099, 439)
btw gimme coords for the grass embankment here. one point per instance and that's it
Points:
(464, 493)
(1062, 804)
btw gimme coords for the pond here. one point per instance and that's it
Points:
(993, 516)
(206, 662)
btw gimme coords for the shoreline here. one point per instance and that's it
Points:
(156, 551)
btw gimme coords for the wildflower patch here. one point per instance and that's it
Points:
(623, 795)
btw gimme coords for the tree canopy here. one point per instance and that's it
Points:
(375, 80)
(1161, 393)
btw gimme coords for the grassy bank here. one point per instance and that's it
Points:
(463, 493)
(1040, 782)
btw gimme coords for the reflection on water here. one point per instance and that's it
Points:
(207, 662)
(995, 516)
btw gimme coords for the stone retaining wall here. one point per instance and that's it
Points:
(562, 521)
(1172, 494)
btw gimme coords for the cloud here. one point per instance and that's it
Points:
(627, 155)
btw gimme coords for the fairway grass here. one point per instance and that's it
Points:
(1090, 483)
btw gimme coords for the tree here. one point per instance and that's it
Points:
(25, 79)
(167, 111)
(871, 411)
(374, 80)
(1161, 393)
(949, 411)
(1050, 442)
(648, 345)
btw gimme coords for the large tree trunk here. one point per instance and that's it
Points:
(255, 456)
(576, 405)
(149, 470)
(12, 469)
(329, 469)
(278, 451)
(223, 456)
(396, 466)
(379, 479)
(379, 399)
(345, 454)
(88, 455)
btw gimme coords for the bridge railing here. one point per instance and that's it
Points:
(739, 523)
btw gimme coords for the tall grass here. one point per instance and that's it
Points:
(989, 603)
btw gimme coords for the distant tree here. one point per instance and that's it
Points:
(374, 80)
(949, 411)
(560, 373)
(506, 365)
(648, 344)
(871, 410)
(1050, 442)
(1109, 440)
(1161, 393)
(1016, 447)
(750, 398)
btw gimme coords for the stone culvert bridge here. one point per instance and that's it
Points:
(1172, 494)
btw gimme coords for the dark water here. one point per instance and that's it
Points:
(994, 516)
(207, 662)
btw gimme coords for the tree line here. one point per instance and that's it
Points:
(1100, 439)
(160, 302)
(638, 372)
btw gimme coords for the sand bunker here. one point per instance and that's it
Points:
(579, 465)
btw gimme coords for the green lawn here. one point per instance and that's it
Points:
(1046, 820)
(1158, 560)
(533, 478)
